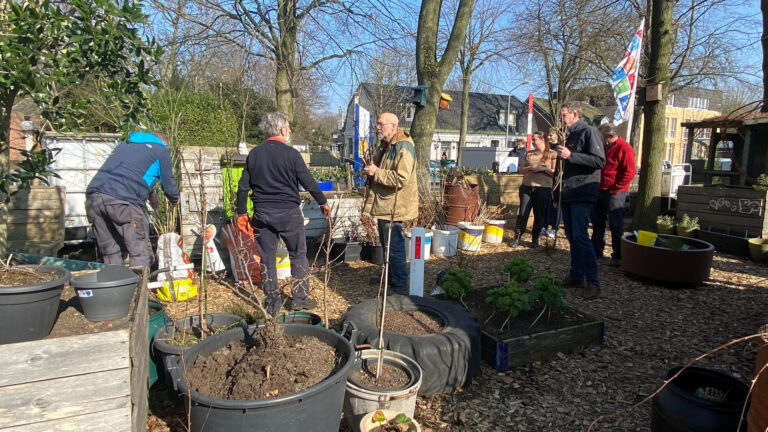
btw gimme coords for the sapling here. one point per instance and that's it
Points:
(550, 290)
(457, 283)
(510, 298)
(519, 269)
(401, 423)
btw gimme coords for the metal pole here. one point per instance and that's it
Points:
(506, 122)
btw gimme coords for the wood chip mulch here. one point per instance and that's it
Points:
(649, 329)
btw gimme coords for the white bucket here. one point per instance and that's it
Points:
(360, 401)
(470, 236)
(283, 264)
(494, 231)
(444, 240)
(427, 244)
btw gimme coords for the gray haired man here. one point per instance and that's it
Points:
(273, 172)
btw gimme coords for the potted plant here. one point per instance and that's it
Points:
(758, 249)
(665, 224)
(324, 178)
(388, 421)
(688, 226)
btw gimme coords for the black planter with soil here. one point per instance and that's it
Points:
(314, 409)
(27, 312)
(701, 400)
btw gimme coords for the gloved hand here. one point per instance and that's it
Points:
(244, 224)
(326, 209)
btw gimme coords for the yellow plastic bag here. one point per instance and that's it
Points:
(181, 290)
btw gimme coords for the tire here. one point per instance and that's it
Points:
(449, 359)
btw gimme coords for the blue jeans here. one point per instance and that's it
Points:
(610, 206)
(583, 260)
(398, 269)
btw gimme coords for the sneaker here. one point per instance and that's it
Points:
(570, 282)
(590, 291)
(305, 304)
(551, 233)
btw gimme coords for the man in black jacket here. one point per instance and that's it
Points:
(272, 174)
(583, 157)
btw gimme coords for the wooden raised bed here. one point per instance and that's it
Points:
(735, 211)
(521, 350)
(81, 382)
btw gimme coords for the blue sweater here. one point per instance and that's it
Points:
(134, 167)
(273, 172)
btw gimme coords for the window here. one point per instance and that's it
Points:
(512, 118)
(495, 143)
(685, 130)
(671, 99)
(698, 103)
(409, 115)
(670, 151)
(670, 125)
(510, 144)
(685, 149)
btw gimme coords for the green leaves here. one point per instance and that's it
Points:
(378, 417)
(457, 283)
(402, 419)
(35, 166)
(519, 269)
(550, 290)
(510, 298)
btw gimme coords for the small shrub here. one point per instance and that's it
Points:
(510, 298)
(665, 221)
(761, 182)
(549, 289)
(457, 283)
(519, 269)
(688, 223)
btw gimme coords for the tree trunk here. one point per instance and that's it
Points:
(764, 42)
(284, 92)
(423, 125)
(653, 132)
(464, 112)
(285, 58)
(6, 105)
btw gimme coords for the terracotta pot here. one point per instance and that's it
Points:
(366, 425)
(461, 204)
(757, 418)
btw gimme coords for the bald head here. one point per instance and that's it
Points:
(386, 126)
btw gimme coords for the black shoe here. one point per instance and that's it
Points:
(305, 304)
(615, 262)
(535, 243)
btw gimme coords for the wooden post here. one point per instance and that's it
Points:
(745, 157)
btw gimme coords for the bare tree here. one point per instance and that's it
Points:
(764, 44)
(486, 42)
(433, 72)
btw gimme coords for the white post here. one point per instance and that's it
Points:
(416, 252)
(506, 122)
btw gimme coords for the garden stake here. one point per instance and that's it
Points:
(385, 276)
(558, 184)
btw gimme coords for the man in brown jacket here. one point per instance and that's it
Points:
(393, 196)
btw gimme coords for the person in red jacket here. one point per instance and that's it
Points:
(614, 185)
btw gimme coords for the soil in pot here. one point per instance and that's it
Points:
(520, 325)
(13, 276)
(413, 322)
(271, 364)
(391, 377)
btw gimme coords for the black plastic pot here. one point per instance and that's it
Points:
(316, 409)
(678, 408)
(169, 353)
(157, 320)
(106, 294)
(28, 312)
(352, 252)
(300, 317)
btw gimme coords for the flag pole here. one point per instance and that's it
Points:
(634, 91)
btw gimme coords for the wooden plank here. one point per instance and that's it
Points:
(36, 231)
(115, 420)
(36, 204)
(723, 192)
(33, 215)
(139, 355)
(60, 398)
(695, 210)
(67, 356)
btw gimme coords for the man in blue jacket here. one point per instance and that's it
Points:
(583, 158)
(117, 196)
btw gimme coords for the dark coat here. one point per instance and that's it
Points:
(581, 171)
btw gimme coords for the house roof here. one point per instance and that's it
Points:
(484, 109)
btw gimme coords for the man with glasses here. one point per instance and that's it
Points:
(273, 172)
(393, 195)
(583, 157)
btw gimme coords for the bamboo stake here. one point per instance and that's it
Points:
(385, 276)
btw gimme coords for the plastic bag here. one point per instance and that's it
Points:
(243, 252)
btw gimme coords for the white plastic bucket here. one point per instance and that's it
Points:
(444, 240)
(359, 401)
(427, 244)
(494, 231)
(283, 264)
(470, 236)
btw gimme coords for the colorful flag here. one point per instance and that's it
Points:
(624, 77)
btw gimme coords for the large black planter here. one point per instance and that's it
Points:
(28, 312)
(316, 409)
(678, 408)
(660, 264)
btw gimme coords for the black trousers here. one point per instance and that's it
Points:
(609, 206)
(534, 198)
(289, 226)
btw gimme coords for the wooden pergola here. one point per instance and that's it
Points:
(749, 134)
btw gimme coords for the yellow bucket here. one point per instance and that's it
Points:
(646, 238)
(182, 289)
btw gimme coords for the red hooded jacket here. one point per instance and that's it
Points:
(619, 167)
